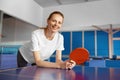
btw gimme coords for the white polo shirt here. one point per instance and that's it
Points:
(40, 43)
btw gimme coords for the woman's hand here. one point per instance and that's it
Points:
(68, 64)
(62, 64)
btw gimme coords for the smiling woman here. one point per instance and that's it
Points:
(43, 44)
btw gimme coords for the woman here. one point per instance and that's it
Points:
(43, 44)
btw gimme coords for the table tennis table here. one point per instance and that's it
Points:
(77, 73)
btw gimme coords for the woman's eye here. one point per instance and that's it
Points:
(60, 22)
(54, 20)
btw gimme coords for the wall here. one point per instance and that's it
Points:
(16, 31)
(78, 16)
(8, 29)
(1, 20)
(26, 10)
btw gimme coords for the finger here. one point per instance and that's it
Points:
(70, 66)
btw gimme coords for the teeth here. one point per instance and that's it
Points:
(54, 27)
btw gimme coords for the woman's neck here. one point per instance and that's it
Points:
(49, 34)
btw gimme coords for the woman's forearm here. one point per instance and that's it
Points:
(48, 64)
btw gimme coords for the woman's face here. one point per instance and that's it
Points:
(55, 22)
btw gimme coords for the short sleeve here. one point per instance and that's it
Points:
(61, 43)
(35, 43)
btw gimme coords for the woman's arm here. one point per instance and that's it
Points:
(58, 56)
(42, 63)
(68, 64)
(59, 60)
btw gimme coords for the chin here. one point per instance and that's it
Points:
(54, 31)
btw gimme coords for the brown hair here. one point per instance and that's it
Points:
(55, 12)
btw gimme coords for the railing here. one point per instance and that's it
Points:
(8, 56)
(9, 49)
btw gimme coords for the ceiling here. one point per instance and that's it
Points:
(49, 3)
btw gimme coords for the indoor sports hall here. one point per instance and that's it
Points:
(90, 24)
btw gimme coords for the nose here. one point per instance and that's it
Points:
(56, 24)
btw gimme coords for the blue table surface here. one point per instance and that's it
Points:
(77, 73)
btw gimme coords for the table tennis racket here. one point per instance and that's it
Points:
(79, 55)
